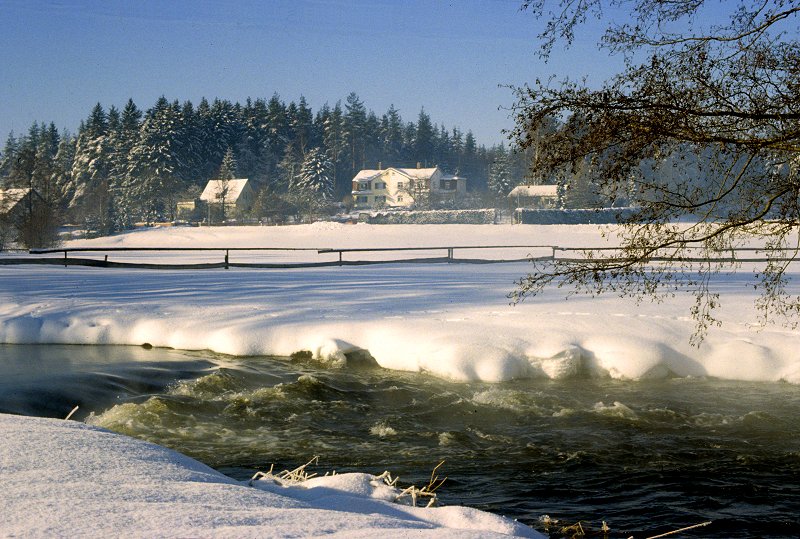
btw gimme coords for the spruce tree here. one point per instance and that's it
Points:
(355, 120)
(315, 179)
(90, 171)
(154, 175)
(335, 144)
(8, 157)
(424, 144)
(500, 181)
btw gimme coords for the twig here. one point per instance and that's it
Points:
(72, 412)
(673, 532)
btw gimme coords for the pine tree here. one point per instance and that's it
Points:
(44, 163)
(457, 148)
(228, 168)
(470, 162)
(335, 144)
(8, 157)
(500, 181)
(315, 179)
(61, 178)
(424, 144)
(154, 175)
(392, 134)
(355, 120)
(580, 188)
(90, 171)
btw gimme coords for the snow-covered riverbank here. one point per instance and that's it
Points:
(453, 321)
(67, 479)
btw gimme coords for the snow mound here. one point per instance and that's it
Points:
(67, 479)
(449, 320)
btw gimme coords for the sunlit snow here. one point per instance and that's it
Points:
(450, 320)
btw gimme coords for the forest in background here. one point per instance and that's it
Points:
(127, 165)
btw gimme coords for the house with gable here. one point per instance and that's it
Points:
(15, 203)
(223, 198)
(399, 187)
(533, 196)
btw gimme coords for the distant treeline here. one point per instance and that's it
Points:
(127, 165)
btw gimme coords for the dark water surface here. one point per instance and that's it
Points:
(646, 457)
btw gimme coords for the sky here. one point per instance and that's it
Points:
(454, 58)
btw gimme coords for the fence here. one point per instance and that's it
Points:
(442, 254)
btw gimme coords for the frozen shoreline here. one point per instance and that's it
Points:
(452, 321)
(67, 479)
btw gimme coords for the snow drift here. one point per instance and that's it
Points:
(67, 479)
(452, 321)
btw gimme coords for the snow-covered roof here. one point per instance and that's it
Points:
(11, 197)
(366, 174)
(417, 173)
(534, 191)
(413, 173)
(214, 190)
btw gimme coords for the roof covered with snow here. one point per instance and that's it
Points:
(10, 197)
(366, 174)
(232, 190)
(418, 173)
(534, 191)
(414, 173)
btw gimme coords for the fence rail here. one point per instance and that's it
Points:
(547, 253)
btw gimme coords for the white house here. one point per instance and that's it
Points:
(533, 196)
(399, 186)
(236, 194)
(14, 202)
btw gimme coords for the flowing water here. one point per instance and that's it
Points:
(646, 456)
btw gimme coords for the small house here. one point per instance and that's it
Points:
(228, 197)
(14, 203)
(533, 196)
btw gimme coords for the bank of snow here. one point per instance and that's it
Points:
(66, 479)
(453, 321)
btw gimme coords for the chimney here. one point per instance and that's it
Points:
(418, 164)
(380, 165)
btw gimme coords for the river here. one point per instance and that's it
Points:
(644, 456)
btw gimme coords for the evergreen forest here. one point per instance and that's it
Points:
(127, 165)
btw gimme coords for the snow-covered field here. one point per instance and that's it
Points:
(453, 321)
(449, 320)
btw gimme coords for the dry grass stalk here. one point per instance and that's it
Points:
(428, 491)
(71, 412)
(299, 475)
(673, 532)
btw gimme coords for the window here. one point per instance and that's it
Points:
(364, 186)
(399, 198)
(380, 185)
(401, 185)
(380, 199)
(448, 185)
(361, 199)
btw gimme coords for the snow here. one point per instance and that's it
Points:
(231, 190)
(534, 191)
(67, 479)
(62, 478)
(449, 320)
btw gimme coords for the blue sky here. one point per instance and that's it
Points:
(63, 56)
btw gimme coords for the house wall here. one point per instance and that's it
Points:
(390, 188)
